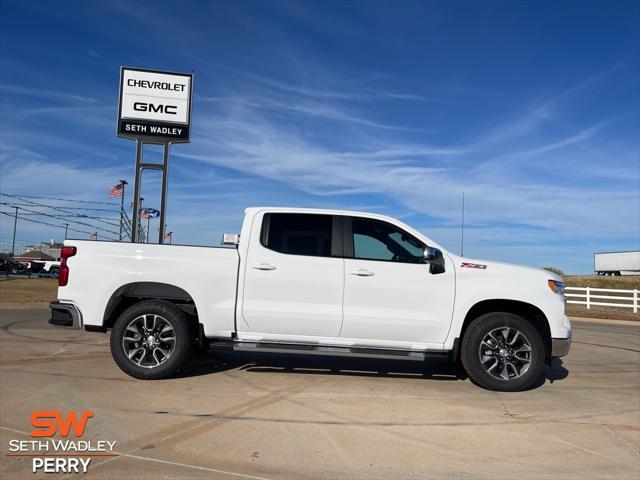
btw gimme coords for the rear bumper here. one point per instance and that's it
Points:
(65, 315)
(560, 346)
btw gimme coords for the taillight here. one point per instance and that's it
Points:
(63, 273)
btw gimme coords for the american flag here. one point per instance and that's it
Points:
(116, 191)
(144, 213)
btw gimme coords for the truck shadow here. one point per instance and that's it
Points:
(433, 368)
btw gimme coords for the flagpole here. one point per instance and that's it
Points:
(123, 183)
(139, 213)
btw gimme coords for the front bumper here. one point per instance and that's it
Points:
(560, 346)
(65, 315)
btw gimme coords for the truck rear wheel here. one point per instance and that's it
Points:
(152, 340)
(503, 352)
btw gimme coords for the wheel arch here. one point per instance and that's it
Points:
(529, 312)
(134, 292)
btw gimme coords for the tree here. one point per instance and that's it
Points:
(557, 271)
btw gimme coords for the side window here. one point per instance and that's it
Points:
(297, 233)
(377, 240)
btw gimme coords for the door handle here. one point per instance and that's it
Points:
(264, 266)
(363, 272)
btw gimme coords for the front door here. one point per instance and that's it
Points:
(293, 278)
(390, 294)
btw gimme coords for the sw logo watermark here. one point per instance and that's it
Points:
(48, 427)
(57, 445)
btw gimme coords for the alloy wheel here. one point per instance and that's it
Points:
(505, 353)
(149, 340)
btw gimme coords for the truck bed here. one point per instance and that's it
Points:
(100, 270)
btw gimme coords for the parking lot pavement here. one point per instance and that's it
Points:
(232, 417)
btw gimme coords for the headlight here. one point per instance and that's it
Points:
(556, 287)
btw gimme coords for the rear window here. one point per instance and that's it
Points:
(298, 233)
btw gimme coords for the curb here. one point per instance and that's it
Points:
(602, 321)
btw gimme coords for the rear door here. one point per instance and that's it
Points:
(390, 295)
(294, 277)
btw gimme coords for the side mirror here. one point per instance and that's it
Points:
(435, 259)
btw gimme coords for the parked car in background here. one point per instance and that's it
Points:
(46, 266)
(10, 266)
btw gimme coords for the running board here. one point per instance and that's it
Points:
(333, 351)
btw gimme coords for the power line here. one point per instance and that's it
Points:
(66, 208)
(52, 224)
(63, 218)
(60, 199)
(61, 209)
(73, 216)
(34, 204)
(65, 215)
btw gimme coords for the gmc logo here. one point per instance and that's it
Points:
(150, 107)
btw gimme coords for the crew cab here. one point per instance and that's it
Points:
(327, 282)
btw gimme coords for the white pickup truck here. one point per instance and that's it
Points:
(312, 281)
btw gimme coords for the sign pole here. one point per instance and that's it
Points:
(135, 218)
(163, 201)
(154, 108)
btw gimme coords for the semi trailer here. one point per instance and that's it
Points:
(617, 263)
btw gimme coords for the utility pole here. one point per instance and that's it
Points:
(462, 229)
(170, 237)
(66, 227)
(15, 225)
(148, 226)
(123, 183)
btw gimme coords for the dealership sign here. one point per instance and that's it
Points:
(155, 106)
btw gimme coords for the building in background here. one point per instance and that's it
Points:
(50, 249)
(32, 255)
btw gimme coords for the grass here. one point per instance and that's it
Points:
(27, 291)
(607, 313)
(597, 281)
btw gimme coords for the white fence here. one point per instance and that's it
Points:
(594, 296)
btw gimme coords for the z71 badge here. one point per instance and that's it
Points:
(473, 265)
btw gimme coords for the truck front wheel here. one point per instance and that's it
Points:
(152, 340)
(503, 352)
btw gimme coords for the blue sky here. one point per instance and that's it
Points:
(532, 109)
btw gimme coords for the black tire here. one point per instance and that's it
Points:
(488, 324)
(14, 270)
(54, 272)
(183, 346)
